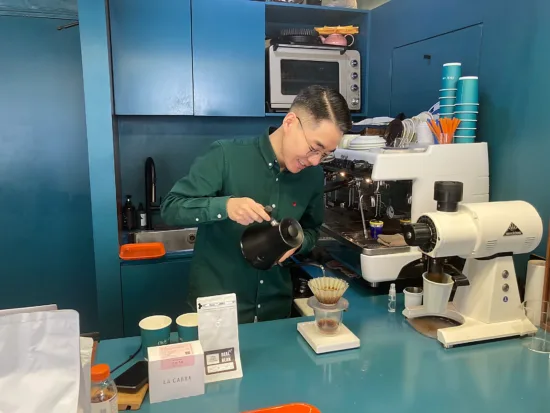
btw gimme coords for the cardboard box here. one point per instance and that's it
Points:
(175, 371)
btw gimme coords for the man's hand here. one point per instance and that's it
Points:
(245, 211)
(287, 255)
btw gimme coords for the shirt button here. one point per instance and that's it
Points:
(196, 219)
(261, 281)
(259, 305)
(219, 215)
(270, 164)
(273, 206)
(276, 179)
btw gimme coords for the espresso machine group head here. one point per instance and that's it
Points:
(486, 234)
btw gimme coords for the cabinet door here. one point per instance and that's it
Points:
(154, 289)
(416, 68)
(229, 57)
(151, 57)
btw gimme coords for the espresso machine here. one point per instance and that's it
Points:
(394, 185)
(487, 303)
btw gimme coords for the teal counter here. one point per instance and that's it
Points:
(395, 370)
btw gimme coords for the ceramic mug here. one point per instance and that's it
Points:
(336, 39)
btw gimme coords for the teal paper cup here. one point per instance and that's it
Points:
(468, 124)
(465, 133)
(468, 89)
(466, 107)
(450, 74)
(447, 93)
(188, 327)
(446, 109)
(446, 115)
(466, 115)
(459, 139)
(447, 101)
(155, 331)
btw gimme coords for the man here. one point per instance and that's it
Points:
(228, 188)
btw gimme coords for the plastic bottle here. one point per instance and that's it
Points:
(129, 217)
(142, 216)
(391, 298)
(104, 395)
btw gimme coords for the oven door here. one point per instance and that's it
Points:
(292, 69)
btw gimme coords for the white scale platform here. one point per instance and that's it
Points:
(322, 343)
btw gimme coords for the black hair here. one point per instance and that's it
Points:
(324, 103)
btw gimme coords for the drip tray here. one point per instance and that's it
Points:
(429, 325)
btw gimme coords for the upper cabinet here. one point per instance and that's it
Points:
(151, 57)
(229, 57)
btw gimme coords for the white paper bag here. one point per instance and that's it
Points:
(219, 337)
(40, 367)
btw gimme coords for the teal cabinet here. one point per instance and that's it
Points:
(229, 65)
(153, 289)
(169, 60)
(151, 57)
(416, 68)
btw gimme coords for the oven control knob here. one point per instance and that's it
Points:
(355, 102)
(354, 75)
(354, 63)
(354, 88)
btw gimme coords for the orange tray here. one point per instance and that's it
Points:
(288, 408)
(145, 251)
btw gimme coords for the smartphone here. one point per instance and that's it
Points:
(134, 378)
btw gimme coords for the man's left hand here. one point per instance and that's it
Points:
(287, 255)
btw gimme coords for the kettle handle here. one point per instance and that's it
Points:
(269, 210)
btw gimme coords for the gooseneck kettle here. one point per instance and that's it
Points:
(264, 244)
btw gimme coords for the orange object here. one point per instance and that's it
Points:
(100, 372)
(444, 129)
(145, 251)
(288, 408)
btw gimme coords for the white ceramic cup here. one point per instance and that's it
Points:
(413, 296)
(424, 134)
(436, 294)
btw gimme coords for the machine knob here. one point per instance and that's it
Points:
(355, 102)
(354, 88)
(417, 235)
(354, 75)
(448, 194)
(354, 63)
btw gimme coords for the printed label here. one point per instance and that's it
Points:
(176, 356)
(217, 361)
(512, 230)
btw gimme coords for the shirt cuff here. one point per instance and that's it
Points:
(218, 208)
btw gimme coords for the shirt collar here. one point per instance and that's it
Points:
(267, 150)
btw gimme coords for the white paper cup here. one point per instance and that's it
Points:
(413, 296)
(436, 294)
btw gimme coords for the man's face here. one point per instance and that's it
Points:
(306, 143)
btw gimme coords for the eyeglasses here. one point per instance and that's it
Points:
(312, 151)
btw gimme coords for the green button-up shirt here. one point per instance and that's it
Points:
(242, 168)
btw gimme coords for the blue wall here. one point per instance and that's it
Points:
(515, 87)
(46, 250)
(173, 142)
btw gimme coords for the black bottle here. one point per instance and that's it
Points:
(141, 216)
(129, 214)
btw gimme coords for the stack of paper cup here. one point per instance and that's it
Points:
(467, 108)
(447, 94)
